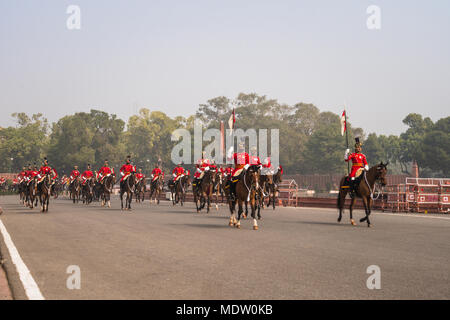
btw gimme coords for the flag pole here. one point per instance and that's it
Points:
(346, 138)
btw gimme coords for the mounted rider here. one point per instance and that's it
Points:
(87, 174)
(178, 172)
(359, 164)
(140, 176)
(156, 172)
(21, 176)
(127, 169)
(46, 169)
(104, 172)
(203, 165)
(241, 162)
(74, 175)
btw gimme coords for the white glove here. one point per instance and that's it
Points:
(122, 174)
(230, 152)
(152, 176)
(366, 168)
(174, 175)
(346, 154)
(207, 169)
(246, 166)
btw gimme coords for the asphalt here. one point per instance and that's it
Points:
(171, 252)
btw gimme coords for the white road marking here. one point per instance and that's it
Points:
(30, 286)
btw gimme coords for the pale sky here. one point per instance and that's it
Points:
(174, 55)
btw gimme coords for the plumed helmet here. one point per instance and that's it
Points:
(358, 143)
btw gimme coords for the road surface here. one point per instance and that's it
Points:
(171, 252)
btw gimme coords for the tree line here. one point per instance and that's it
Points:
(310, 140)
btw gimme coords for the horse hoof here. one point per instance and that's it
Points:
(353, 222)
(238, 226)
(369, 225)
(255, 227)
(230, 224)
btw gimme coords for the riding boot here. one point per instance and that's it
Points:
(233, 190)
(351, 184)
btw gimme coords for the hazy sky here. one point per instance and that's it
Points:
(173, 55)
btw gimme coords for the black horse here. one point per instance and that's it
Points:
(127, 186)
(247, 190)
(364, 191)
(44, 189)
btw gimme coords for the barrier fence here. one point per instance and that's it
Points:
(419, 195)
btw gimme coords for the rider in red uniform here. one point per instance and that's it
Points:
(75, 174)
(21, 176)
(241, 161)
(140, 175)
(358, 162)
(104, 172)
(177, 172)
(127, 169)
(46, 169)
(87, 174)
(156, 173)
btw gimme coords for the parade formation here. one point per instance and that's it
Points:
(249, 183)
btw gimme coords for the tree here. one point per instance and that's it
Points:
(24, 144)
(436, 147)
(85, 138)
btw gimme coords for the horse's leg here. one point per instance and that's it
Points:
(121, 199)
(253, 208)
(366, 204)
(352, 204)
(240, 210)
(341, 202)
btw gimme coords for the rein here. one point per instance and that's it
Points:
(372, 191)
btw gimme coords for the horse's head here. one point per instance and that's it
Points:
(253, 173)
(381, 173)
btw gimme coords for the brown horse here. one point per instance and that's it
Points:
(106, 189)
(44, 190)
(127, 186)
(364, 191)
(75, 190)
(247, 190)
(139, 190)
(156, 187)
(203, 190)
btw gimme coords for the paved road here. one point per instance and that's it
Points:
(168, 252)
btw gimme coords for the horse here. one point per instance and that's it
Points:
(247, 190)
(31, 197)
(177, 190)
(268, 186)
(74, 189)
(204, 190)
(364, 190)
(156, 187)
(106, 189)
(139, 190)
(44, 188)
(127, 186)
(87, 190)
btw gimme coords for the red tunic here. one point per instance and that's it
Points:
(74, 174)
(127, 169)
(178, 171)
(254, 160)
(358, 161)
(156, 172)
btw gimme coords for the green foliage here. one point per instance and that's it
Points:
(24, 143)
(85, 138)
(310, 140)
